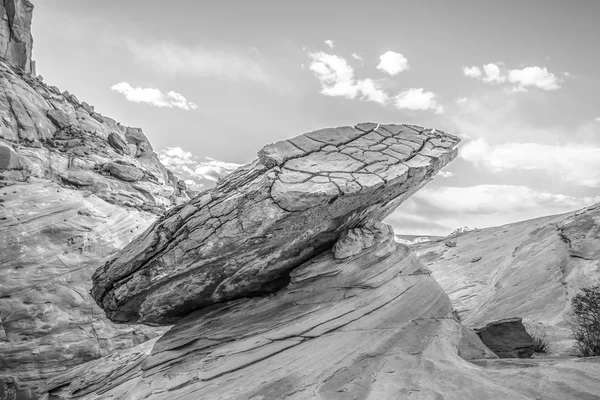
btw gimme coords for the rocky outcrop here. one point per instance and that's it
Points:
(529, 269)
(507, 338)
(52, 239)
(48, 134)
(245, 236)
(16, 41)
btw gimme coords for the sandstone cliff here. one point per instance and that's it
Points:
(530, 269)
(75, 187)
(15, 33)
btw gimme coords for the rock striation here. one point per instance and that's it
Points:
(507, 338)
(530, 269)
(16, 41)
(245, 236)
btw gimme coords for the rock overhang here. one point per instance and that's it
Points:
(267, 218)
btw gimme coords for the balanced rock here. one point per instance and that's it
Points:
(507, 338)
(268, 217)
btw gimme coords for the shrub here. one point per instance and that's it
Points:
(460, 231)
(541, 344)
(585, 322)
(450, 243)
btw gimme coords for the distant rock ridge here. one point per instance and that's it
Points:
(244, 236)
(16, 41)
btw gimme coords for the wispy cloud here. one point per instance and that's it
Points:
(393, 63)
(330, 44)
(534, 76)
(191, 168)
(337, 79)
(357, 57)
(418, 99)
(153, 96)
(574, 164)
(176, 59)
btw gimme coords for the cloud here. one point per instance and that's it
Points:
(529, 76)
(445, 174)
(393, 63)
(153, 96)
(357, 57)
(418, 99)
(330, 44)
(574, 164)
(472, 72)
(493, 74)
(534, 76)
(176, 59)
(337, 79)
(189, 167)
(598, 119)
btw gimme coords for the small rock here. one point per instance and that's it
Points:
(475, 259)
(59, 118)
(118, 143)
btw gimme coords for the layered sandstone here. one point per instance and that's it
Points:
(529, 269)
(244, 237)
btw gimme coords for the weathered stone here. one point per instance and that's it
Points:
(127, 173)
(9, 387)
(60, 118)
(254, 227)
(9, 159)
(137, 137)
(118, 143)
(507, 338)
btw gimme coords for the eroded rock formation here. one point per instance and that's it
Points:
(15, 33)
(75, 187)
(244, 237)
(530, 269)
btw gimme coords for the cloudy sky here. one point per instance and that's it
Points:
(211, 82)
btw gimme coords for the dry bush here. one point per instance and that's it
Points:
(541, 343)
(585, 322)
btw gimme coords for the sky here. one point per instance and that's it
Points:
(210, 83)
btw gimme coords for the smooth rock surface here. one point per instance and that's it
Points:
(51, 240)
(243, 237)
(530, 269)
(507, 338)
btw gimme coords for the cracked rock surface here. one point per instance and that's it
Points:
(529, 269)
(244, 236)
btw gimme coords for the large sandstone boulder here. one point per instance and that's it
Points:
(529, 269)
(266, 218)
(507, 338)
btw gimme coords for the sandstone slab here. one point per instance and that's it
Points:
(243, 237)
